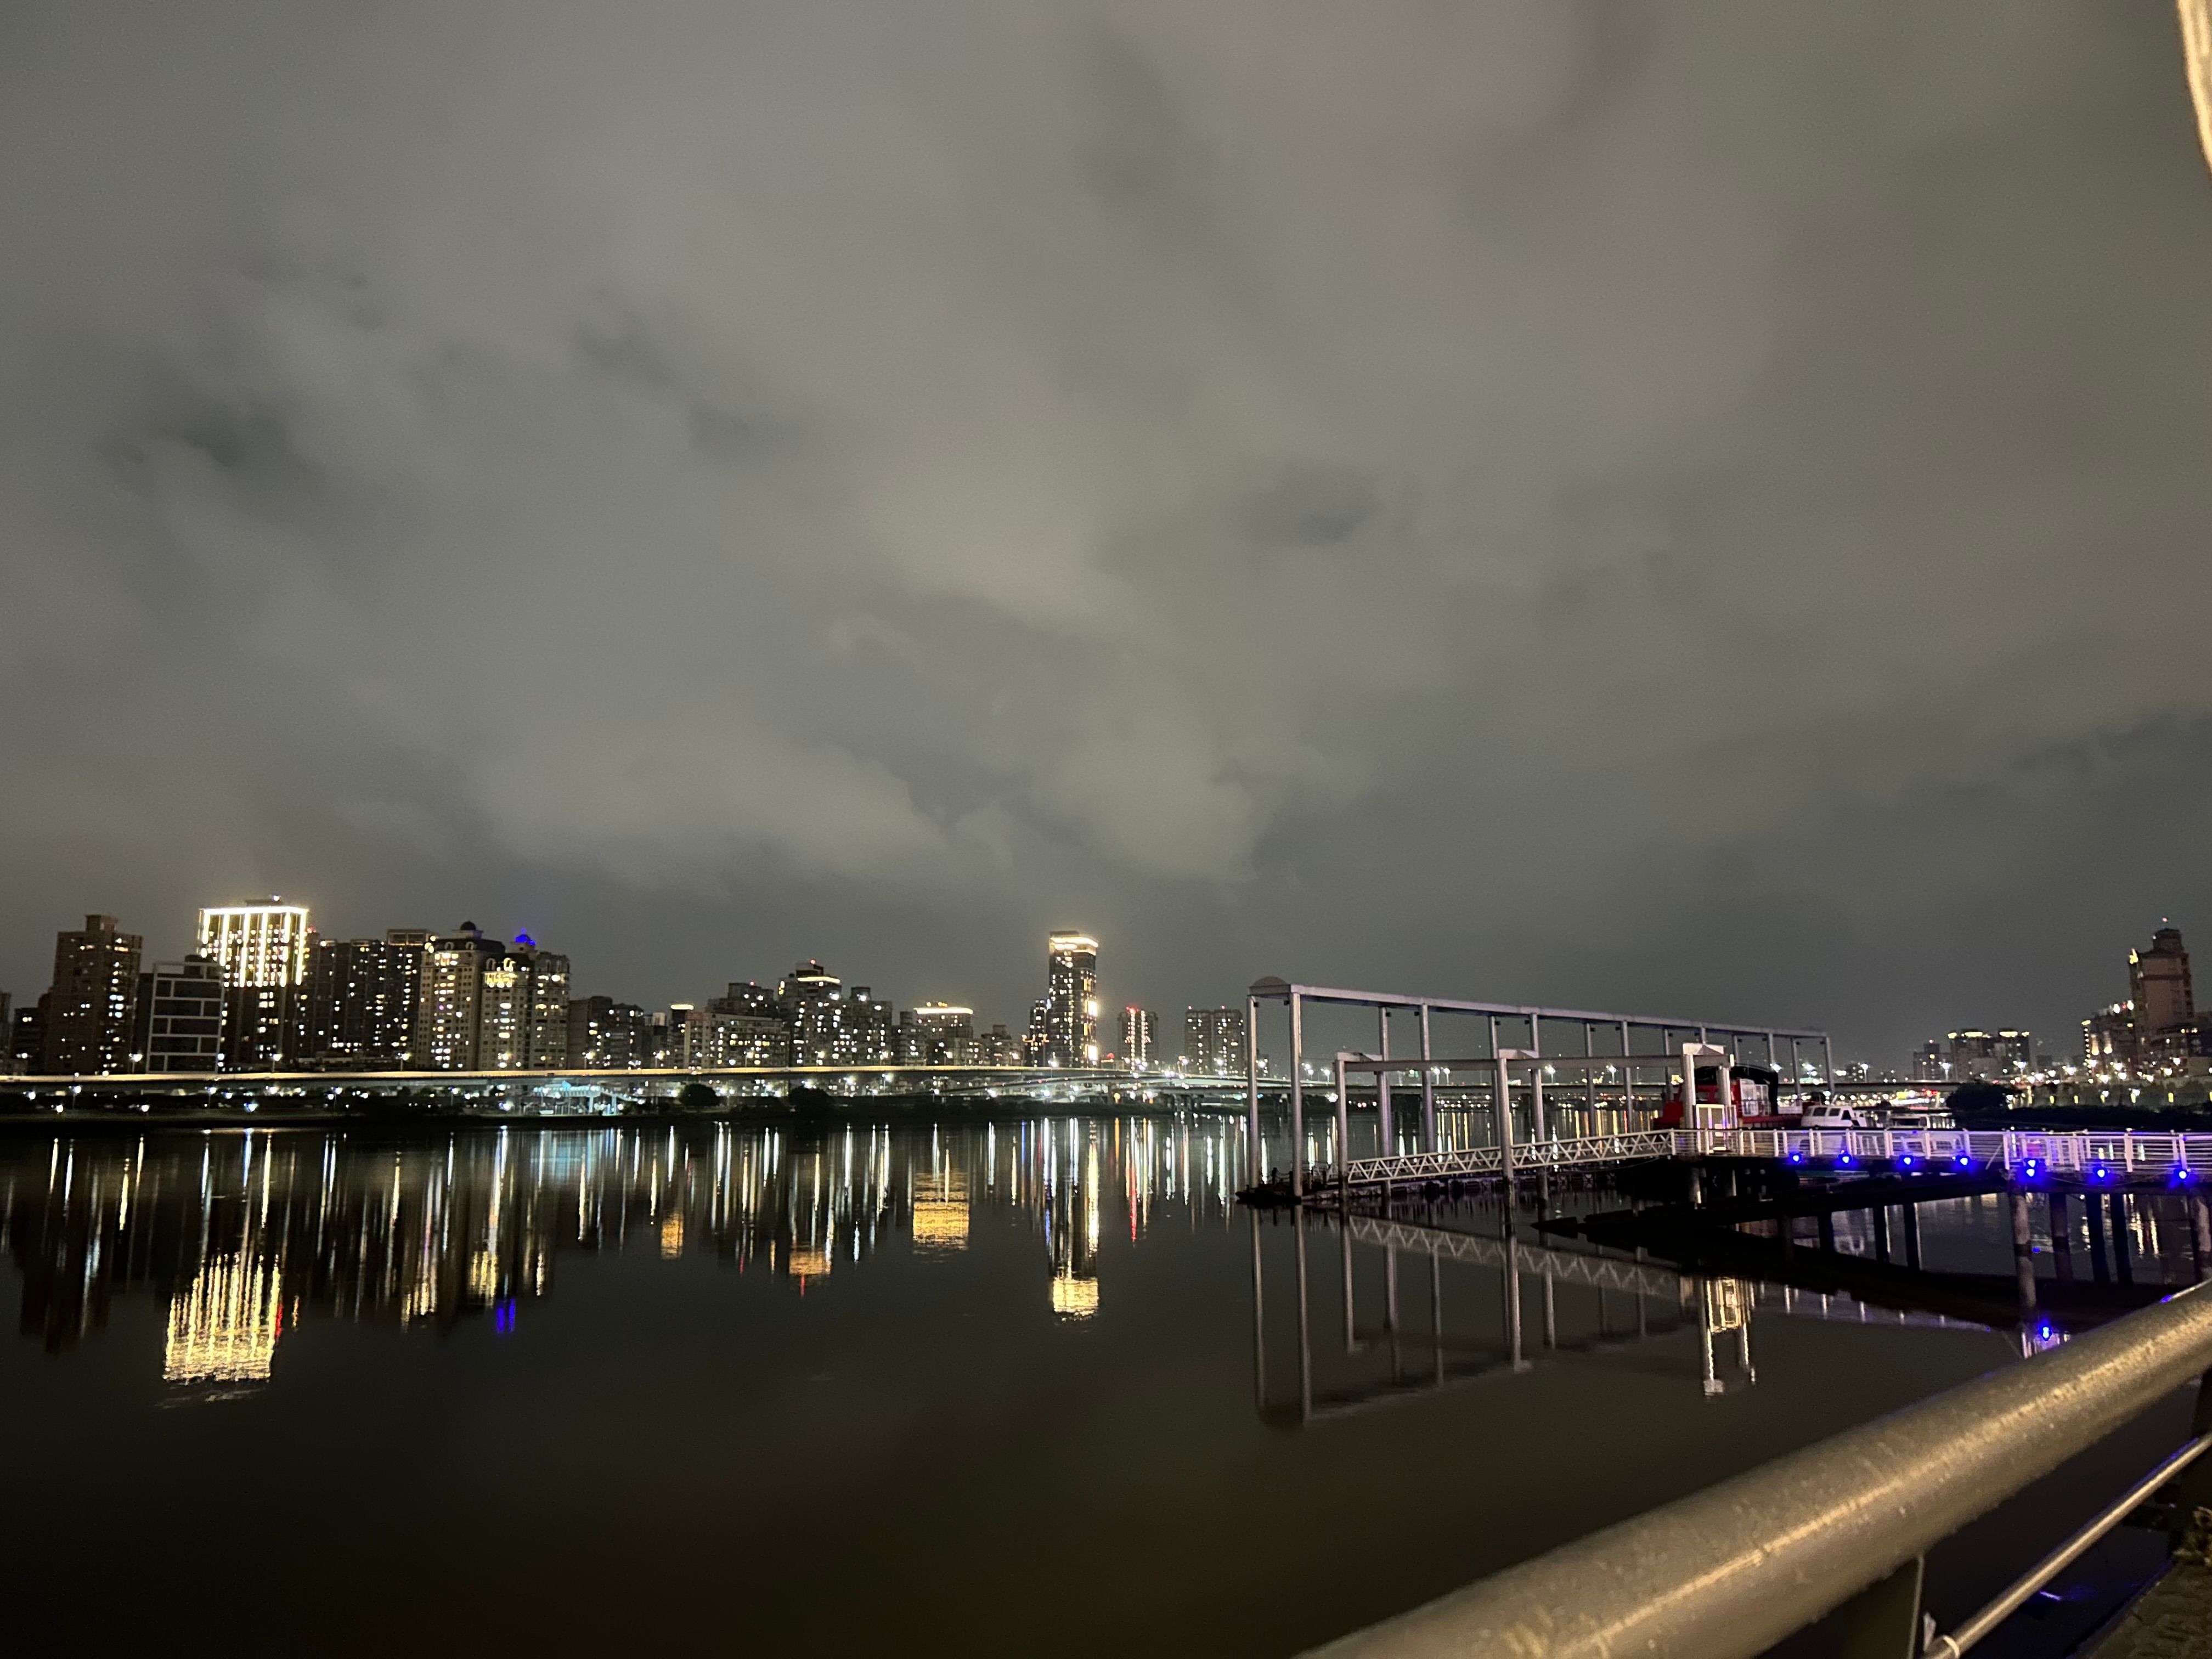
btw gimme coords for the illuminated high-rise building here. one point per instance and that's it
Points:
(545, 1004)
(490, 1006)
(606, 1035)
(362, 994)
(88, 1012)
(946, 1034)
(1138, 1025)
(449, 1017)
(1213, 1041)
(2164, 1002)
(263, 950)
(1071, 1020)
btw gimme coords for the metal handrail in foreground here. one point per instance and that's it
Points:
(1726, 1572)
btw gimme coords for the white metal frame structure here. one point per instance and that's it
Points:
(1424, 1065)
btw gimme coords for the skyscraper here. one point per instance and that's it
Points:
(545, 1010)
(946, 1033)
(1071, 1020)
(1213, 1041)
(95, 991)
(2164, 1004)
(606, 1035)
(362, 994)
(1138, 1025)
(263, 950)
(1985, 1054)
(449, 1017)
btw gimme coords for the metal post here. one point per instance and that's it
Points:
(1537, 1126)
(1501, 1109)
(2199, 1227)
(1589, 1079)
(1428, 1088)
(1910, 1215)
(1879, 1215)
(2122, 1265)
(1504, 1097)
(1297, 1100)
(1383, 1127)
(1627, 1075)
(1343, 1132)
(1259, 1153)
(1828, 1064)
(2062, 1240)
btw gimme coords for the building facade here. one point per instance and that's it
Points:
(606, 1035)
(1071, 1018)
(1139, 1026)
(2108, 1038)
(180, 1016)
(264, 951)
(362, 998)
(2164, 1001)
(1213, 1041)
(944, 1034)
(1989, 1055)
(90, 1009)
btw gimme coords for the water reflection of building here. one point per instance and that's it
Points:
(246, 1235)
(940, 1211)
(224, 1325)
(1072, 1224)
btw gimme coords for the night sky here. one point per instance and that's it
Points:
(1698, 508)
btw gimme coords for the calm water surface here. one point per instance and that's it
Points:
(978, 1386)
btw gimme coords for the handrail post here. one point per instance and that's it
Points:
(1884, 1620)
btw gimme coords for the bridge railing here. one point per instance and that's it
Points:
(2090, 1155)
(1728, 1573)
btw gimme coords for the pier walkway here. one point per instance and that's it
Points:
(2089, 1158)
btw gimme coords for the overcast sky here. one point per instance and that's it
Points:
(1696, 508)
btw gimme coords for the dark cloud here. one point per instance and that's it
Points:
(1693, 506)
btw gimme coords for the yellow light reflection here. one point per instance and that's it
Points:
(224, 1327)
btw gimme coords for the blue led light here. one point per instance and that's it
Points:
(1963, 1161)
(1843, 1160)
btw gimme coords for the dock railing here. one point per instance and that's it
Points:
(1842, 1527)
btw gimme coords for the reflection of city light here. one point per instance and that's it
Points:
(807, 1261)
(1073, 1297)
(223, 1329)
(940, 1213)
(671, 1235)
